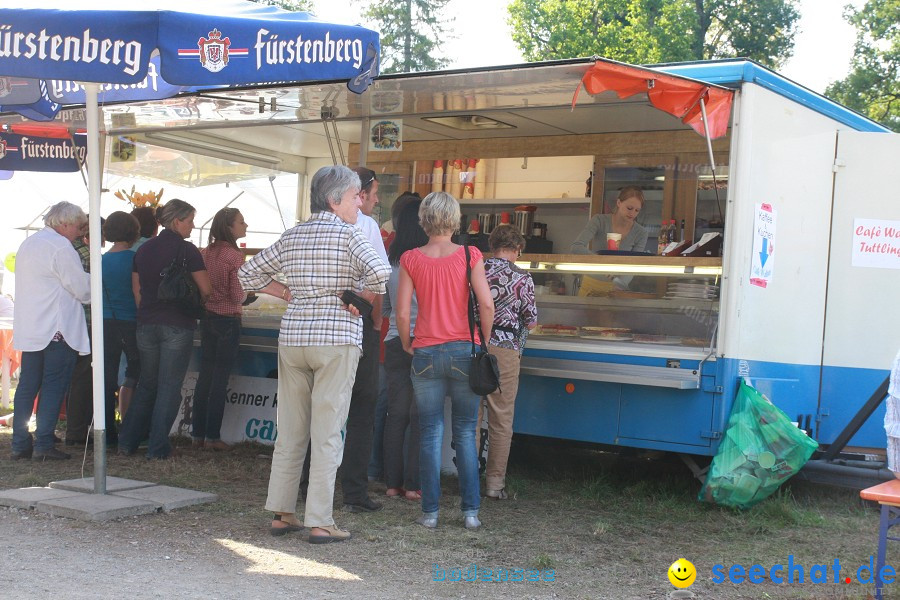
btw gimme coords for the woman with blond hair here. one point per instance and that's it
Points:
(165, 332)
(441, 349)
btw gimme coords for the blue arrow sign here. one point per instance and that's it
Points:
(763, 256)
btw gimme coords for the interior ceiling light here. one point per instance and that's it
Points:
(469, 122)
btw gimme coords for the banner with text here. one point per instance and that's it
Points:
(30, 153)
(250, 404)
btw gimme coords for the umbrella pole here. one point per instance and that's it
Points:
(93, 162)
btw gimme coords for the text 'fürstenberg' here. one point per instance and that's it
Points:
(84, 48)
(297, 50)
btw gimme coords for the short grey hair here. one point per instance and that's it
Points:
(439, 214)
(174, 209)
(330, 183)
(64, 213)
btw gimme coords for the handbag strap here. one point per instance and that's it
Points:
(471, 307)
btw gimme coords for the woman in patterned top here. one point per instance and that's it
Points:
(515, 314)
(220, 329)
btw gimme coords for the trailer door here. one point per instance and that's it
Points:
(862, 309)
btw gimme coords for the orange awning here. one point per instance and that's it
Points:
(677, 96)
(46, 130)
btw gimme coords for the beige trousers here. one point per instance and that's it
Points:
(501, 408)
(314, 385)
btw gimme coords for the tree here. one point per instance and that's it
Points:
(412, 32)
(648, 31)
(873, 85)
(291, 5)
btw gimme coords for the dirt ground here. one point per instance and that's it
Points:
(605, 526)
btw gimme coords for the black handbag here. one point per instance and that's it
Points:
(177, 287)
(484, 374)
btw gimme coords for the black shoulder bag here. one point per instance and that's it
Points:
(484, 374)
(177, 287)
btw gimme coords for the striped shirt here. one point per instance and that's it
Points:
(320, 258)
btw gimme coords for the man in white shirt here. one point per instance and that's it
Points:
(361, 420)
(49, 327)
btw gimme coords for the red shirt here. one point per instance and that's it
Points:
(442, 292)
(222, 262)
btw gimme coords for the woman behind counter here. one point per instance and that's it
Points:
(622, 220)
(220, 329)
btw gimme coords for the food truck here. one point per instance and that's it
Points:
(782, 268)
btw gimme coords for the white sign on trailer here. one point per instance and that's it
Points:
(762, 260)
(876, 243)
(250, 407)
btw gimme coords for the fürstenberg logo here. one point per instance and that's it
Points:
(70, 48)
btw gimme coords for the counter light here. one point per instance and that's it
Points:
(630, 269)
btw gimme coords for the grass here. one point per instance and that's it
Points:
(609, 525)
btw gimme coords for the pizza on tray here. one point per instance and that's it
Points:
(563, 330)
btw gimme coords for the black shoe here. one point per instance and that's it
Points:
(367, 505)
(25, 454)
(51, 454)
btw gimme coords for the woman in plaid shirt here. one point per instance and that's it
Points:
(319, 345)
(220, 329)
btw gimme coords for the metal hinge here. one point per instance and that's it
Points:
(711, 435)
(708, 384)
(838, 164)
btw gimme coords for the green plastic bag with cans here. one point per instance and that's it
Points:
(762, 449)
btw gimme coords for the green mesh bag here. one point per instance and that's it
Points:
(762, 449)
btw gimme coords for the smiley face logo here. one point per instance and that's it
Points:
(682, 573)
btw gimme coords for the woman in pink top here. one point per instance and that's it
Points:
(220, 329)
(441, 350)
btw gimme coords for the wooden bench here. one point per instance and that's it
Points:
(887, 494)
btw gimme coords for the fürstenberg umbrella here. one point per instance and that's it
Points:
(221, 43)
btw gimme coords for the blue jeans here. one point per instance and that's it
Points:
(437, 372)
(47, 371)
(220, 338)
(165, 352)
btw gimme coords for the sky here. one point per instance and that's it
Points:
(822, 49)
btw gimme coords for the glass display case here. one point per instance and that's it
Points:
(634, 304)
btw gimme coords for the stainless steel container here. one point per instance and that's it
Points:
(486, 221)
(524, 219)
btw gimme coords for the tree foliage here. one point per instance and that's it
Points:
(412, 33)
(873, 85)
(291, 5)
(648, 31)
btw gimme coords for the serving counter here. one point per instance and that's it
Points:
(624, 352)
